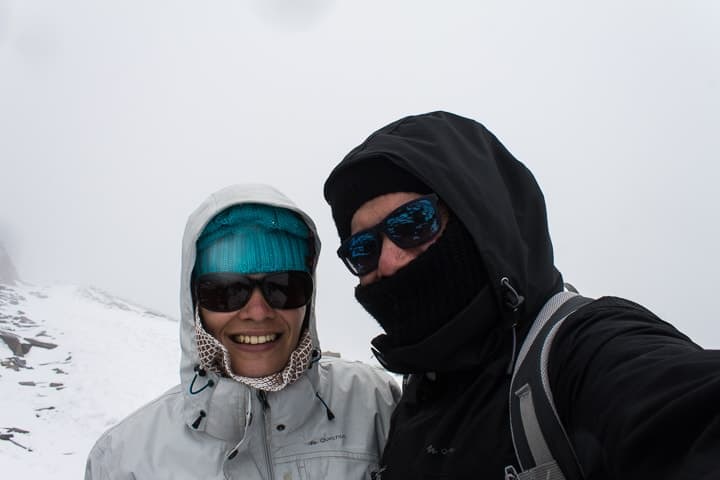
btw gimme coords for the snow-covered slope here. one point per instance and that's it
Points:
(73, 361)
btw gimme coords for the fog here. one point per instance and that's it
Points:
(119, 117)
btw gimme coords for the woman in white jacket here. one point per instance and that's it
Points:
(256, 400)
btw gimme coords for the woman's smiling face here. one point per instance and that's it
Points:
(258, 338)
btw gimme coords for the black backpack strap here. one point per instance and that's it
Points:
(542, 446)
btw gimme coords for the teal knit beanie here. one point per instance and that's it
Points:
(253, 238)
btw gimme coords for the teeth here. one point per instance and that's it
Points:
(253, 339)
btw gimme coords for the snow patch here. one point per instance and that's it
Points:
(77, 361)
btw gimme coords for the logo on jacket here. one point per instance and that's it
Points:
(430, 450)
(324, 439)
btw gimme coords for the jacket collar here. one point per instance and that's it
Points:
(217, 405)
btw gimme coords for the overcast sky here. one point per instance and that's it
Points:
(118, 117)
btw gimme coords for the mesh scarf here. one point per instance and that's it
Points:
(214, 357)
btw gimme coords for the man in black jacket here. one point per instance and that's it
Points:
(448, 235)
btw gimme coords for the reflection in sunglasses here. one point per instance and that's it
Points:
(408, 226)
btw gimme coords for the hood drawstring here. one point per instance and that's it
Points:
(200, 372)
(330, 414)
(513, 300)
(248, 420)
(196, 423)
(315, 357)
(511, 366)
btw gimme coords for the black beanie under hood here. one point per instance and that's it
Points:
(425, 294)
(365, 181)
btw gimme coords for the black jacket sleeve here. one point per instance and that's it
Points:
(639, 399)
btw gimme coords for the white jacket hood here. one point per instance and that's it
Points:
(214, 204)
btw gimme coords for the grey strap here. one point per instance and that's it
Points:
(547, 471)
(535, 423)
(536, 440)
(552, 305)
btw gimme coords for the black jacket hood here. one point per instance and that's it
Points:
(494, 195)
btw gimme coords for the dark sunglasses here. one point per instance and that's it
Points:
(408, 226)
(227, 291)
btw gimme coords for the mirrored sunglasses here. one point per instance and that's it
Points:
(408, 226)
(227, 291)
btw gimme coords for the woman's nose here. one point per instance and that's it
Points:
(257, 307)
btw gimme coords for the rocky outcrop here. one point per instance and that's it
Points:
(21, 345)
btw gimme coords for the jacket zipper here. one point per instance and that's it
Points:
(266, 429)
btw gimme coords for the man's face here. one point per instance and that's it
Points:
(392, 258)
(258, 337)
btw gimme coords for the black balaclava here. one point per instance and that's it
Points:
(422, 296)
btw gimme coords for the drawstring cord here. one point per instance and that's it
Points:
(513, 300)
(248, 420)
(315, 357)
(330, 414)
(200, 372)
(197, 421)
(511, 366)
